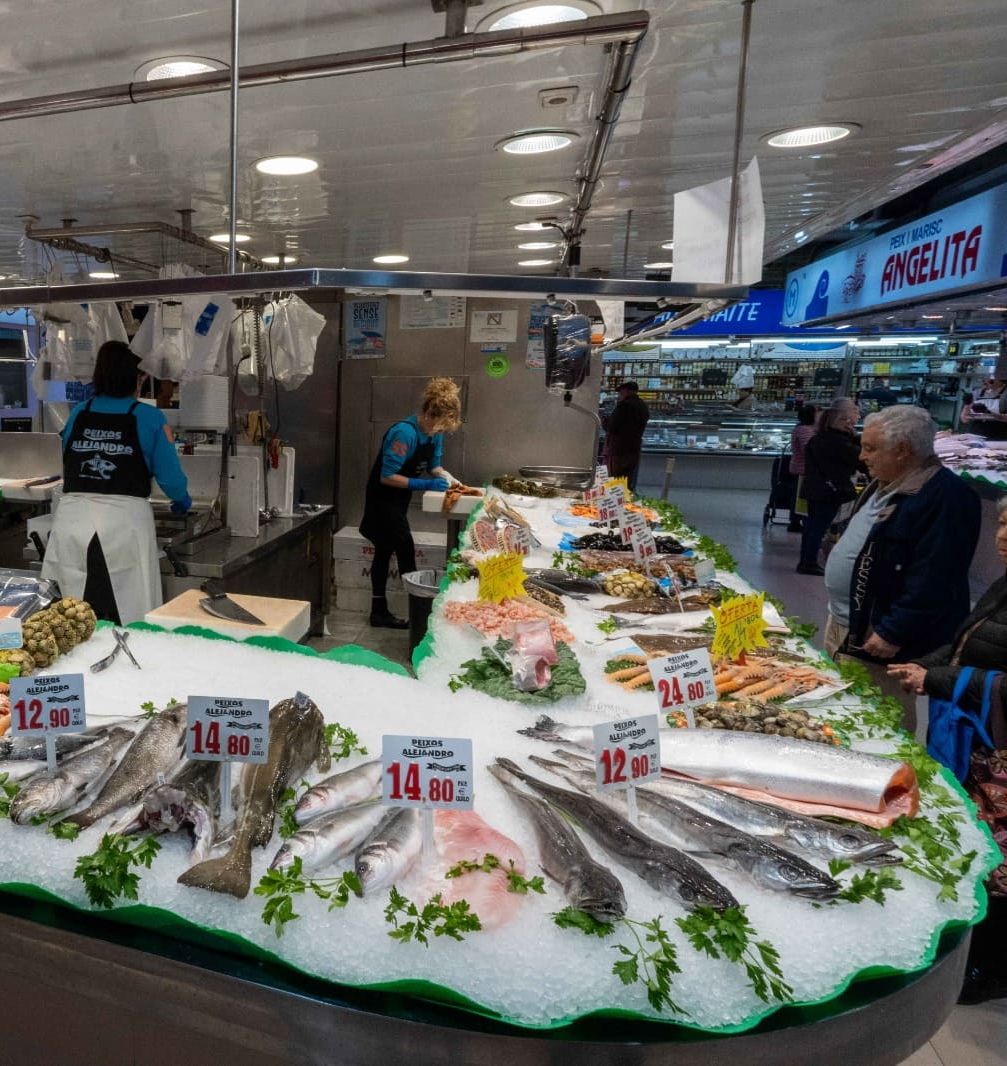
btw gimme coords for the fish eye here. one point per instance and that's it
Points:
(688, 892)
(848, 840)
(790, 873)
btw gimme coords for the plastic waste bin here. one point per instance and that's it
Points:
(422, 586)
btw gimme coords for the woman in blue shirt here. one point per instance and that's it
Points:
(410, 460)
(102, 548)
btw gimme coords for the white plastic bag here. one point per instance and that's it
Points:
(183, 339)
(293, 335)
(744, 377)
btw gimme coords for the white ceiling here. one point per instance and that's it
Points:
(407, 157)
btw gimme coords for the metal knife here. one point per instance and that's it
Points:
(219, 604)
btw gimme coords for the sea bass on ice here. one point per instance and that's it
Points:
(663, 867)
(32, 748)
(390, 850)
(191, 800)
(339, 791)
(51, 793)
(587, 885)
(296, 740)
(155, 750)
(330, 837)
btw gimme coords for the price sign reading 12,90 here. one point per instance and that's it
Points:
(627, 752)
(52, 704)
(426, 772)
(227, 729)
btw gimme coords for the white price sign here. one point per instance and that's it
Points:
(633, 522)
(520, 540)
(608, 507)
(427, 772)
(10, 633)
(627, 752)
(644, 546)
(227, 728)
(600, 475)
(590, 495)
(705, 571)
(47, 705)
(683, 681)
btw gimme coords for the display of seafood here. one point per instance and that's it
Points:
(51, 632)
(345, 789)
(693, 601)
(455, 493)
(767, 678)
(499, 619)
(754, 716)
(329, 838)
(588, 510)
(668, 643)
(611, 541)
(543, 596)
(389, 850)
(568, 582)
(523, 487)
(629, 585)
(495, 508)
(532, 655)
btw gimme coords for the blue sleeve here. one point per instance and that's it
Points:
(71, 418)
(162, 459)
(438, 459)
(400, 443)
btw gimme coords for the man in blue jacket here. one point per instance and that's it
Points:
(898, 578)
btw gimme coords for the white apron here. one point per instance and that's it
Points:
(125, 528)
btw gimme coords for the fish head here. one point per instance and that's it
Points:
(285, 856)
(376, 868)
(695, 892)
(310, 806)
(796, 877)
(597, 891)
(844, 842)
(41, 796)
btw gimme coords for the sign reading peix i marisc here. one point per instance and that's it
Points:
(959, 247)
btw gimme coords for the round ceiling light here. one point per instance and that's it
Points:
(810, 136)
(275, 260)
(534, 262)
(103, 275)
(668, 246)
(534, 13)
(532, 227)
(177, 67)
(225, 238)
(538, 199)
(286, 165)
(537, 246)
(535, 142)
(658, 266)
(391, 260)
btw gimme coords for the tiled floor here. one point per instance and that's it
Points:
(972, 1036)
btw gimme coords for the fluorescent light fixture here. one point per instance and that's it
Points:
(668, 245)
(701, 344)
(995, 308)
(662, 265)
(286, 165)
(176, 67)
(274, 260)
(538, 199)
(891, 341)
(810, 136)
(538, 246)
(535, 262)
(532, 227)
(390, 260)
(932, 317)
(845, 325)
(225, 238)
(103, 275)
(534, 13)
(535, 142)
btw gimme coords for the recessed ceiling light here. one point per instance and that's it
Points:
(668, 246)
(537, 246)
(103, 275)
(534, 13)
(538, 199)
(845, 325)
(272, 260)
(531, 227)
(663, 265)
(931, 316)
(995, 308)
(810, 136)
(225, 238)
(535, 262)
(391, 260)
(534, 142)
(177, 67)
(286, 165)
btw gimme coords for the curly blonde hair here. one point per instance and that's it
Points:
(442, 405)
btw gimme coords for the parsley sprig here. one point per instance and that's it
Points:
(8, 790)
(516, 882)
(109, 872)
(342, 742)
(570, 562)
(608, 625)
(287, 805)
(279, 887)
(869, 885)
(412, 922)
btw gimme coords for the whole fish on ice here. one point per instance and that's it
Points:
(663, 867)
(190, 800)
(390, 850)
(327, 839)
(296, 740)
(587, 885)
(32, 748)
(341, 790)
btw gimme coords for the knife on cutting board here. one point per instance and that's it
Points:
(220, 605)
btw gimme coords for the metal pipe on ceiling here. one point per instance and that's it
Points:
(739, 130)
(232, 227)
(624, 29)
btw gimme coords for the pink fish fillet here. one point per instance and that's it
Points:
(462, 835)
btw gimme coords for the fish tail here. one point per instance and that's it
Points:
(548, 764)
(230, 874)
(543, 729)
(84, 818)
(511, 768)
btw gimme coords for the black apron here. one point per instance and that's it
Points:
(385, 521)
(103, 455)
(990, 430)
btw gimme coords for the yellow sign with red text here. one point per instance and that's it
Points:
(501, 577)
(739, 626)
(620, 484)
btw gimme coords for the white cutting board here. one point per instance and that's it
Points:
(283, 618)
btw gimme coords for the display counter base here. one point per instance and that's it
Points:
(696, 469)
(85, 991)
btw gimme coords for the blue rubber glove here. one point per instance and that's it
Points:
(428, 484)
(182, 506)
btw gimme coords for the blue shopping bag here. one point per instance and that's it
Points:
(952, 731)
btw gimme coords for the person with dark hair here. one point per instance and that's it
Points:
(102, 547)
(805, 429)
(624, 433)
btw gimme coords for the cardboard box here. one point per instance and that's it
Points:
(352, 555)
(358, 600)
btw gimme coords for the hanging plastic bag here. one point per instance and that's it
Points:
(292, 337)
(744, 377)
(183, 339)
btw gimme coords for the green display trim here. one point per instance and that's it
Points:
(983, 479)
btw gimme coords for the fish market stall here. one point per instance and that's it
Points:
(728, 919)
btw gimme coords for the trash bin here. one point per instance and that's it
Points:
(422, 586)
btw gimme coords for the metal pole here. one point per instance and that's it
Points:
(232, 251)
(625, 243)
(739, 129)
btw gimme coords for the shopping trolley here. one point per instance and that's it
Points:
(782, 492)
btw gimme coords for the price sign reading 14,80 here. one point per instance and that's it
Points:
(224, 728)
(627, 752)
(426, 772)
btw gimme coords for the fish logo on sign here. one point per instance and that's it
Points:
(494, 318)
(97, 469)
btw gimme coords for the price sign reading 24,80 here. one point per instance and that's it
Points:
(426, 772)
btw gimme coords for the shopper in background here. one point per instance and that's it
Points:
(102, 548)
(898, 578)
(409, 460)
(879, 393)
(986, 412)
(624, 433)
(980, 643)
(802, 433)
(831, 458)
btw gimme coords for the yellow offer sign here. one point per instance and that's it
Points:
(739, 626)
(501, 576)
(620, 483)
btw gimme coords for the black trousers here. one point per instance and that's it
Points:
(404, 550)
(820, 516)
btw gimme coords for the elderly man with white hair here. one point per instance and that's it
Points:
(898, 578)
